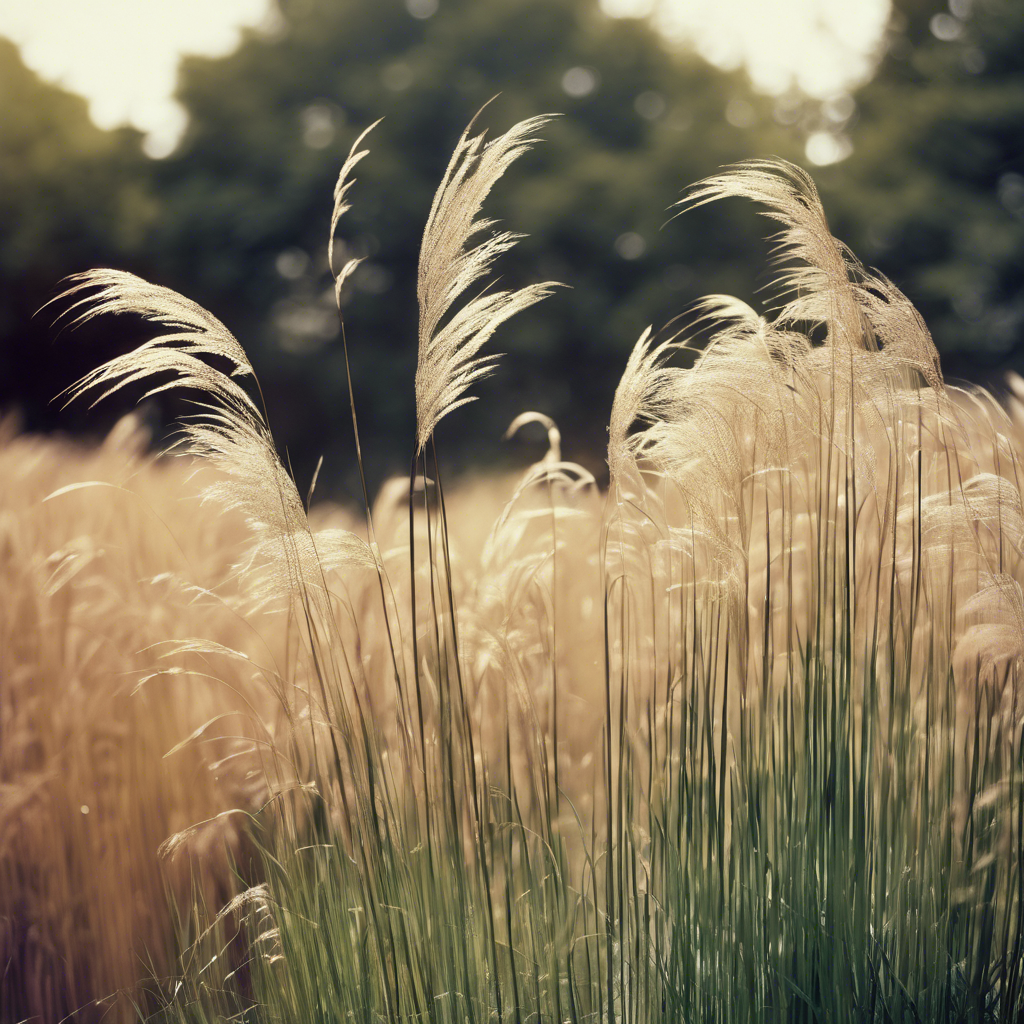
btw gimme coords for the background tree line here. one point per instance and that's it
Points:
(237, 216)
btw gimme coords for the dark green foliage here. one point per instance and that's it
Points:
(71, 195)
(934, 192)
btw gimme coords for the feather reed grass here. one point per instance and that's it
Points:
(738, 740)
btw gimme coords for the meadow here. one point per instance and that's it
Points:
(736, 738)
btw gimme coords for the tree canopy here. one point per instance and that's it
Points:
(71, 196)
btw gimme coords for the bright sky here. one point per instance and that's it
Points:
(123, 54)
(822, 47)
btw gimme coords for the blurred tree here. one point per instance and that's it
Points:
(247, 201)
(71, 196)
(934, 191)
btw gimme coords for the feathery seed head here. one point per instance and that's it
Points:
(448, 361)
(342, 206)
(819, 267)
(645, 392)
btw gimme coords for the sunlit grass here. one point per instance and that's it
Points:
(736, 740)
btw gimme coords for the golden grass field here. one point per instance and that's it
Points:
(755, 707)
(111, 563)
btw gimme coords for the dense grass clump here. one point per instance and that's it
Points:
(738, 740)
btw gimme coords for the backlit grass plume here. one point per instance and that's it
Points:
(342, 206)
(822, 281)
(818, 282)
(230, 431)
(451, 263)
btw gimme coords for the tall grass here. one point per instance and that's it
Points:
(101, 574)
(737, 740)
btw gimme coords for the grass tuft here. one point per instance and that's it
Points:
(738, 740)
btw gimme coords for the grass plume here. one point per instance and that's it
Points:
(450, 264)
